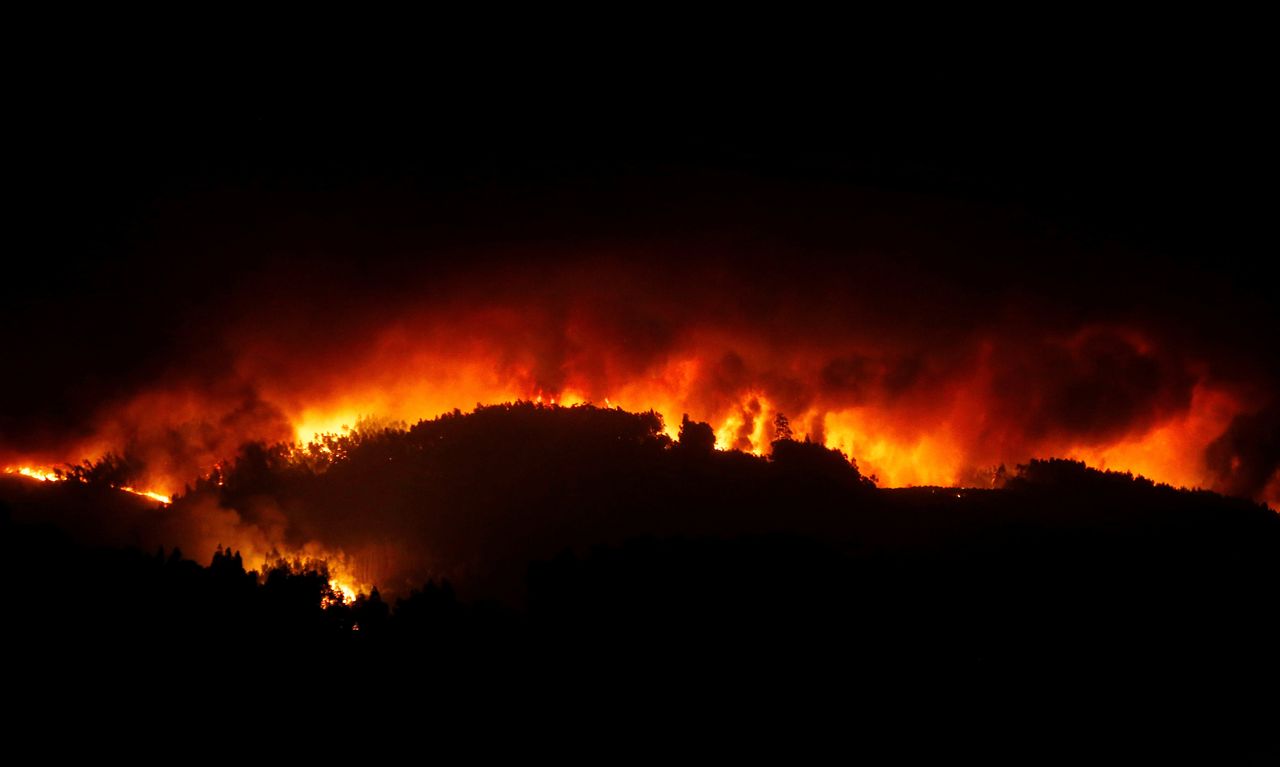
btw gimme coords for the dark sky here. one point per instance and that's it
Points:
(144, 221)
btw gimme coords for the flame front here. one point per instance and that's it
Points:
(43, 475)
(52, 475)
(949, 433)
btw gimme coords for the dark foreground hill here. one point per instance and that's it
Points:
(1070, 613)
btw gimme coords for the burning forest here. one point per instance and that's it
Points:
(895, 383)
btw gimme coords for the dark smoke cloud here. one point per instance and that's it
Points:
(1096, 387)
(1246, 458)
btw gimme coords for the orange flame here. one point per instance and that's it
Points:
(162, 498)
(43, 475)
(49, 475)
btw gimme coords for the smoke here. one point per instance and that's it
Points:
(1246, 458)
(931, 343)
(912, 401)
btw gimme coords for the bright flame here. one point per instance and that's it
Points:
(898, 446)
(947, 428)
(165, 499)
(49, 475)
(886, 444)
(43, 475)
(345, 579)
(347, 590)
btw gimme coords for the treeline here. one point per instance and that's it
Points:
(1084, 566)
(1068, 589)
(64, 590)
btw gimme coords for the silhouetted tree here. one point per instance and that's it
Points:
(696, 437)
(111, 470)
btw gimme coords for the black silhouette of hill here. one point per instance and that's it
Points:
(582, 551)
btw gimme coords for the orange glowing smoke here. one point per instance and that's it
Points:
(954, 426)
(953, 435)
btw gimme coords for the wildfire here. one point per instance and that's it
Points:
(900, 448)
(346, 586)
(896, 450)
(346, 589)
(43, 475)
(893, 446)
(1112, 398)
(50, 475)
(162, 498)
(345, 583)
